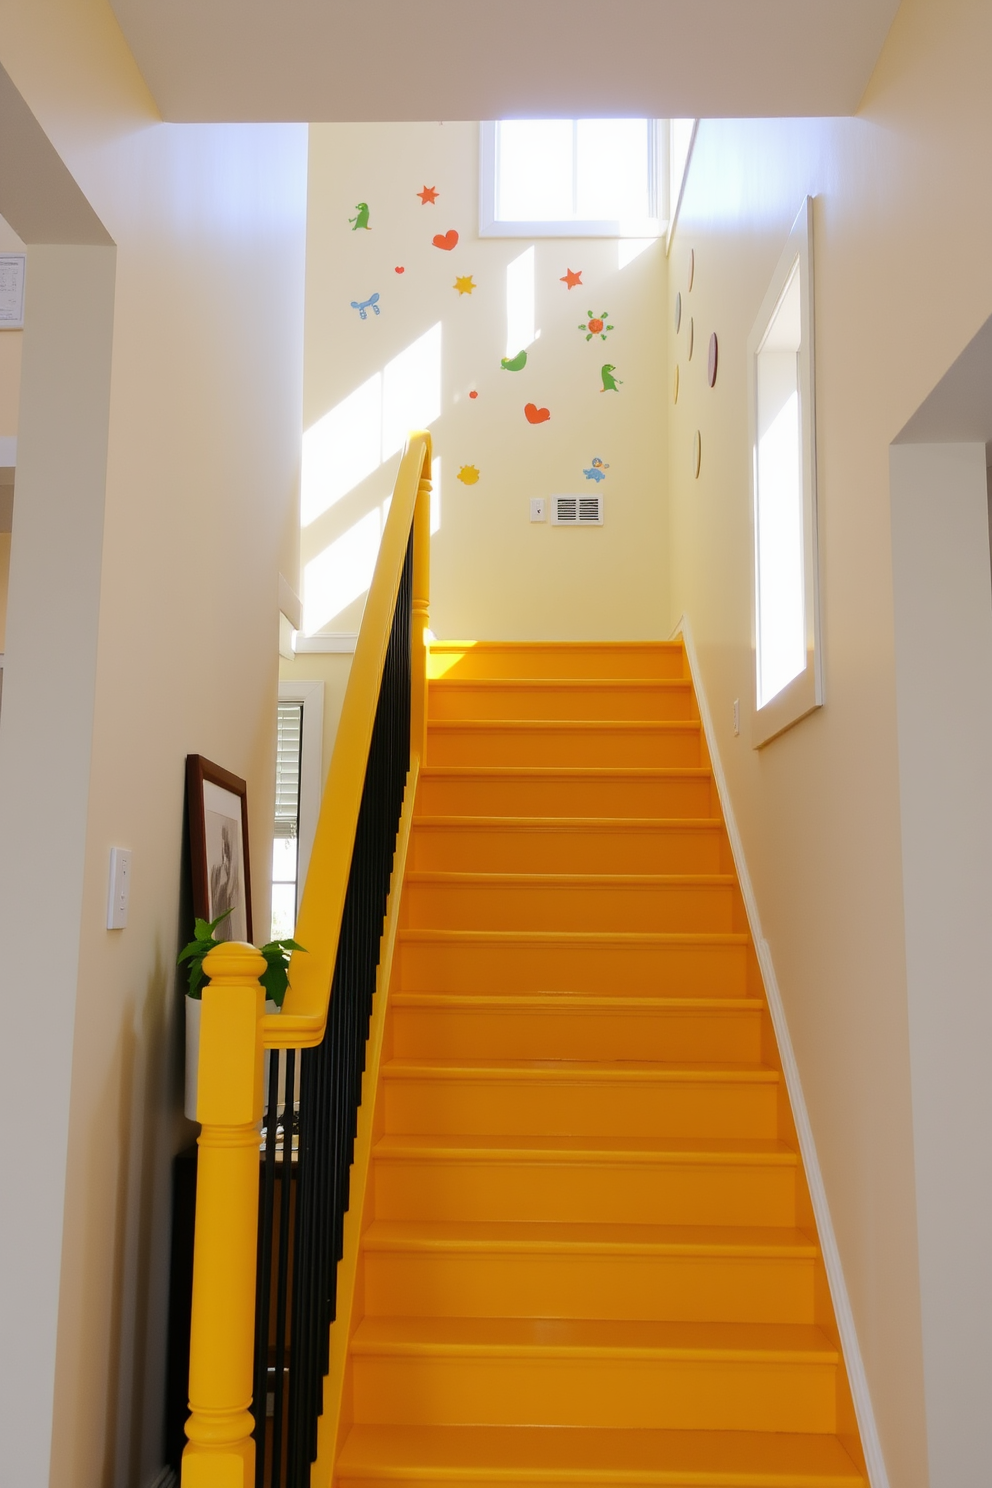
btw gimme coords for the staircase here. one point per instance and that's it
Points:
(591, 1256)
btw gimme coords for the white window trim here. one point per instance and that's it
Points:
(311, 695)
(645, 227)
(804, 693)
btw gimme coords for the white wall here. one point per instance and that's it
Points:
(903, 279)
(142, 626)
(943, 651)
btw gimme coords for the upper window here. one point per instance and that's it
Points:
(783, 466)
(573, 178)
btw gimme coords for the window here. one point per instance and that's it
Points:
(299, 730)
(786, 612)
(573, 177)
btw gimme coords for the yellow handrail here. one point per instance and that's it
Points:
(234, 1031)
(304, 1013)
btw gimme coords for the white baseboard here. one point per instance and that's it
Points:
(331, 643)
(870, 1441)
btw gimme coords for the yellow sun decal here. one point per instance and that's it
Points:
(468, 475)
(465, 284)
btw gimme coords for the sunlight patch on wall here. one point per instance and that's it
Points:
(341, 449)
(630, 248)
(341, 573)
(352, 440)
(520, 329)
(411, 390)
(435, 494)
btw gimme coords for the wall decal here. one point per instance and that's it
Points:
(571, 278)
(596, 326)
(675, 385)
(611, 384)
(465, 284)
(468, 475)
(697, 453)
(692, 266)
(428, 196)
(473, 394)
(678, 311)
(535, 415)
(691, 339)
(363, 306)
(362, 220)
(399, 269)
(598, 471)
(447, 240)
(712, 360)
(514, 364)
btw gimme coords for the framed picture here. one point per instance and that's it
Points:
(218, 842)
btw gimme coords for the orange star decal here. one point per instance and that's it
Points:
(428, 195)
(571, 278)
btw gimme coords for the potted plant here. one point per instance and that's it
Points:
(275, 980)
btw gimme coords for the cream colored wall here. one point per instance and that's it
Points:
(494, 574)
(4, 567)
(903, 280)
(162, 633)
(333, 669)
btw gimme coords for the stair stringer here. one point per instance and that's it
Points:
(857, 1427)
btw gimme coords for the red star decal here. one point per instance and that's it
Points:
(429, 194)
(571, 278)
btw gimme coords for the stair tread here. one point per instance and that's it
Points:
(572, 1002)
(570, 823)
(689, 1150)
(570, 880)
(590, 1455)
(562, 725)
(610, 684)
(568, 772)
(620, 937)
(613, 1239)
(583, 1070)
(620, 1338)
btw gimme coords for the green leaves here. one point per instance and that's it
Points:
(275, 978)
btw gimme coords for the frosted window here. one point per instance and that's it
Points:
(578, 170)
(779, 555)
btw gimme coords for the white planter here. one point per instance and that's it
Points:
(193, 1009)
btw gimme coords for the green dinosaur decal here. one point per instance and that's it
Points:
(362, 220)
(611, 384)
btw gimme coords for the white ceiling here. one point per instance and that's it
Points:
(309, 60)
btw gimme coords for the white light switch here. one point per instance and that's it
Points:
(537, 513)
(120, 888)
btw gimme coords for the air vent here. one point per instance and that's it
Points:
(576, 511)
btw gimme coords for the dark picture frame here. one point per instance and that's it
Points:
(217, 808)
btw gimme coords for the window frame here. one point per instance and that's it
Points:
(310, 694)
(652, 226)
(804, 693)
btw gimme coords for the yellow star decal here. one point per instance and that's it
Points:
(465, 284)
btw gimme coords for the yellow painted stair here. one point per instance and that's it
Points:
(587, 1252)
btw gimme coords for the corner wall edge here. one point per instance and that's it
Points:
(858, 1379)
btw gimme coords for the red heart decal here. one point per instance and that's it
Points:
(446, 240)
(399, 269)
(535, 415)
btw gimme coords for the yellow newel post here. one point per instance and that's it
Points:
(420, 616)
(220, 1452)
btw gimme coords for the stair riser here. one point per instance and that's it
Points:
(478, 1108)
(597, 969)
(678, 796)
(498, 849)
(682, 908)
(429, 1033)
(507, 703)
(554, 661)
(622, 1193)
(558, 748)
(666, 1289)
(720, 1395)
